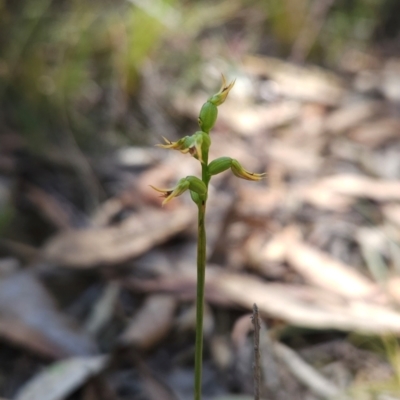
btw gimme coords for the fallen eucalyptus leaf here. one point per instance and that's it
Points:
(89, 248)
(62, 378)
(29, 317)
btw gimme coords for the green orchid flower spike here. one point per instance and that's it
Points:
(198, 145)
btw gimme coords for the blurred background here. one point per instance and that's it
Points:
(97, 276)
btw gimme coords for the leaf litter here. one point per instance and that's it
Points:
(315, 245)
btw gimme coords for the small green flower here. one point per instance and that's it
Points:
(223, 163)
(180, 145)
(196, 148)
(169, 194)
(190, 182)
(240, 172)
(197, 145)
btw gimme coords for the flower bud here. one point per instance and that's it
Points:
(196, 185)
(221, 96)
(240, 172)
(208, 116)
(219, 165)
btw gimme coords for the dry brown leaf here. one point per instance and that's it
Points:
(107, 211)
(392, 213)
(304, 83)
(30, 318)
(377, 133)
(312, 121)
(88, 248)
(154, 388)
(337, 193)
(262, 254)
(221, 351)
(305, 373)
(323, 271)
(373, 244)
(393, 288)
(322, 198)
(351, 115)
(183, 285)
(49, 207)
(390, 80)
(297, 305)
(151, 323)
(133, 197)
(260, 201)
(30, 338)
(61, 379)
(360, 186)
(294, 158)
(240, 330)
(22, 251)
(306, 306)
(102, 310)
(252, 119)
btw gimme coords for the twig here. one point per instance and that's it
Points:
(257, 362)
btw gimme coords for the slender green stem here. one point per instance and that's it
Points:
(201, 272)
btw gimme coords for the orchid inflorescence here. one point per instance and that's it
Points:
(198, 145)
